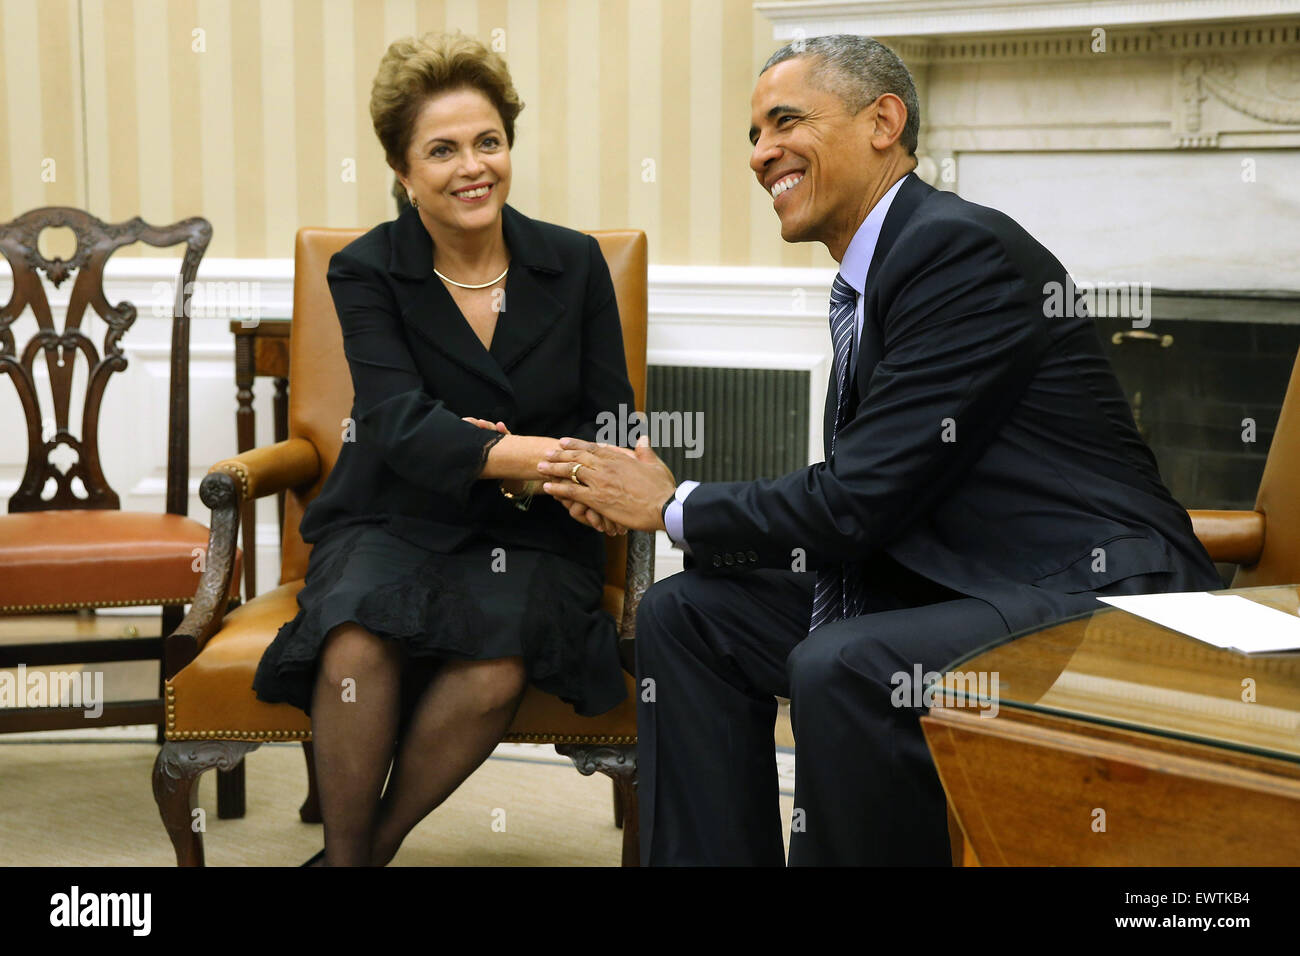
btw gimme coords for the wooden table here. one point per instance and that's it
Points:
(260, 349)
(1114, 741)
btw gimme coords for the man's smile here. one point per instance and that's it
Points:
(786, 183)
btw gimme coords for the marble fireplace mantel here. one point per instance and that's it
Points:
(1146, 141)
(1094, 75)
(949, 18)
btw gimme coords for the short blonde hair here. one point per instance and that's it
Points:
(413, 70)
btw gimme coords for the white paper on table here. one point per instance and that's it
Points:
(1224, 620)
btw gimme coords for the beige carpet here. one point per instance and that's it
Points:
(78, 798)
(90, 804)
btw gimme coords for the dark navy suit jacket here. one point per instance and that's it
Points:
(990, 448)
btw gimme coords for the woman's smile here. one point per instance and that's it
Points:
(476, 193)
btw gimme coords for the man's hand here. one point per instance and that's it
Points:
(629, 489)
(584, 515)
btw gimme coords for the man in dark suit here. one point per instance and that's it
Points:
(983, 475)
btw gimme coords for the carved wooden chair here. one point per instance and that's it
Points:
(66, 544)
(1264, 543)
(213, 717)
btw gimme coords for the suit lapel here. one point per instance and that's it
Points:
(910, 195)
(530, 314)
(432, 314)
(428, 309)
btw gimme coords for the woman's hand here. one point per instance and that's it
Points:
(584, 515)
(484, 423)
(578, 511)
(513, 485)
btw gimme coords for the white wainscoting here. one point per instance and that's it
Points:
(736, 317)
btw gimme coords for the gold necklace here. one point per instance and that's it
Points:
(465, 285)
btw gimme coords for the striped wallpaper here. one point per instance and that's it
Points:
(252, 112)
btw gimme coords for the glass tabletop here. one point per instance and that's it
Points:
(1110, 667)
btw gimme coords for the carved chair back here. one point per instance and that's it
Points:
(48, 429)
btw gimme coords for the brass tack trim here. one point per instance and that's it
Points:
(263, 735)
(258, 735)
(236, 470)
(77, 605)
(568, 739)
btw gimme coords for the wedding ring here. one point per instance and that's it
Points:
(573, 475)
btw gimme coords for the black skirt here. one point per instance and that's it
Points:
(480, 602)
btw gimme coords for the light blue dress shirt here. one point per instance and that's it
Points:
(853, 267)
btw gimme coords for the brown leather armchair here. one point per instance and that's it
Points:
(1264, 543)
(213, 717)
(66, 544)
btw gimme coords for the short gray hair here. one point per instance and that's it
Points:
(858, 70)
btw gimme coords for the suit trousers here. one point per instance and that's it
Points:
(713, 653)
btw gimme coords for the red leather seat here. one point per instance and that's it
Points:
(63, 560)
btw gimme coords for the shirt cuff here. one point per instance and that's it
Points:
(673, 515)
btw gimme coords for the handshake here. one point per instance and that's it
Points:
(608, 487)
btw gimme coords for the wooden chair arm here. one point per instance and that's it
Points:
(1233, 537)
(225, 489)
(272, 469)
(640, 574)
(222, 494)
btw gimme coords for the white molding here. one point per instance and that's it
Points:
(681, 298)
(948, 18)
(136, 280)
(701, 291)
(794, 361)
(726, 291)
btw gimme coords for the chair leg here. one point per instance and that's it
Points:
(618, 806)
(175, 788)
(171, 619)
(617, 762)
(309, 812)
(230, 792)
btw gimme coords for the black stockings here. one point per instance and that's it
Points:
(457, 721)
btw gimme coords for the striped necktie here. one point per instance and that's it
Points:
(830, 600)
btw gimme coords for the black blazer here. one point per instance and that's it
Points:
(556, 362)
(1045, 493)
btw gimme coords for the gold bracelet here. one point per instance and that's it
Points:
(523, 498)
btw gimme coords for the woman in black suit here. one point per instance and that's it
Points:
(438, 588)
